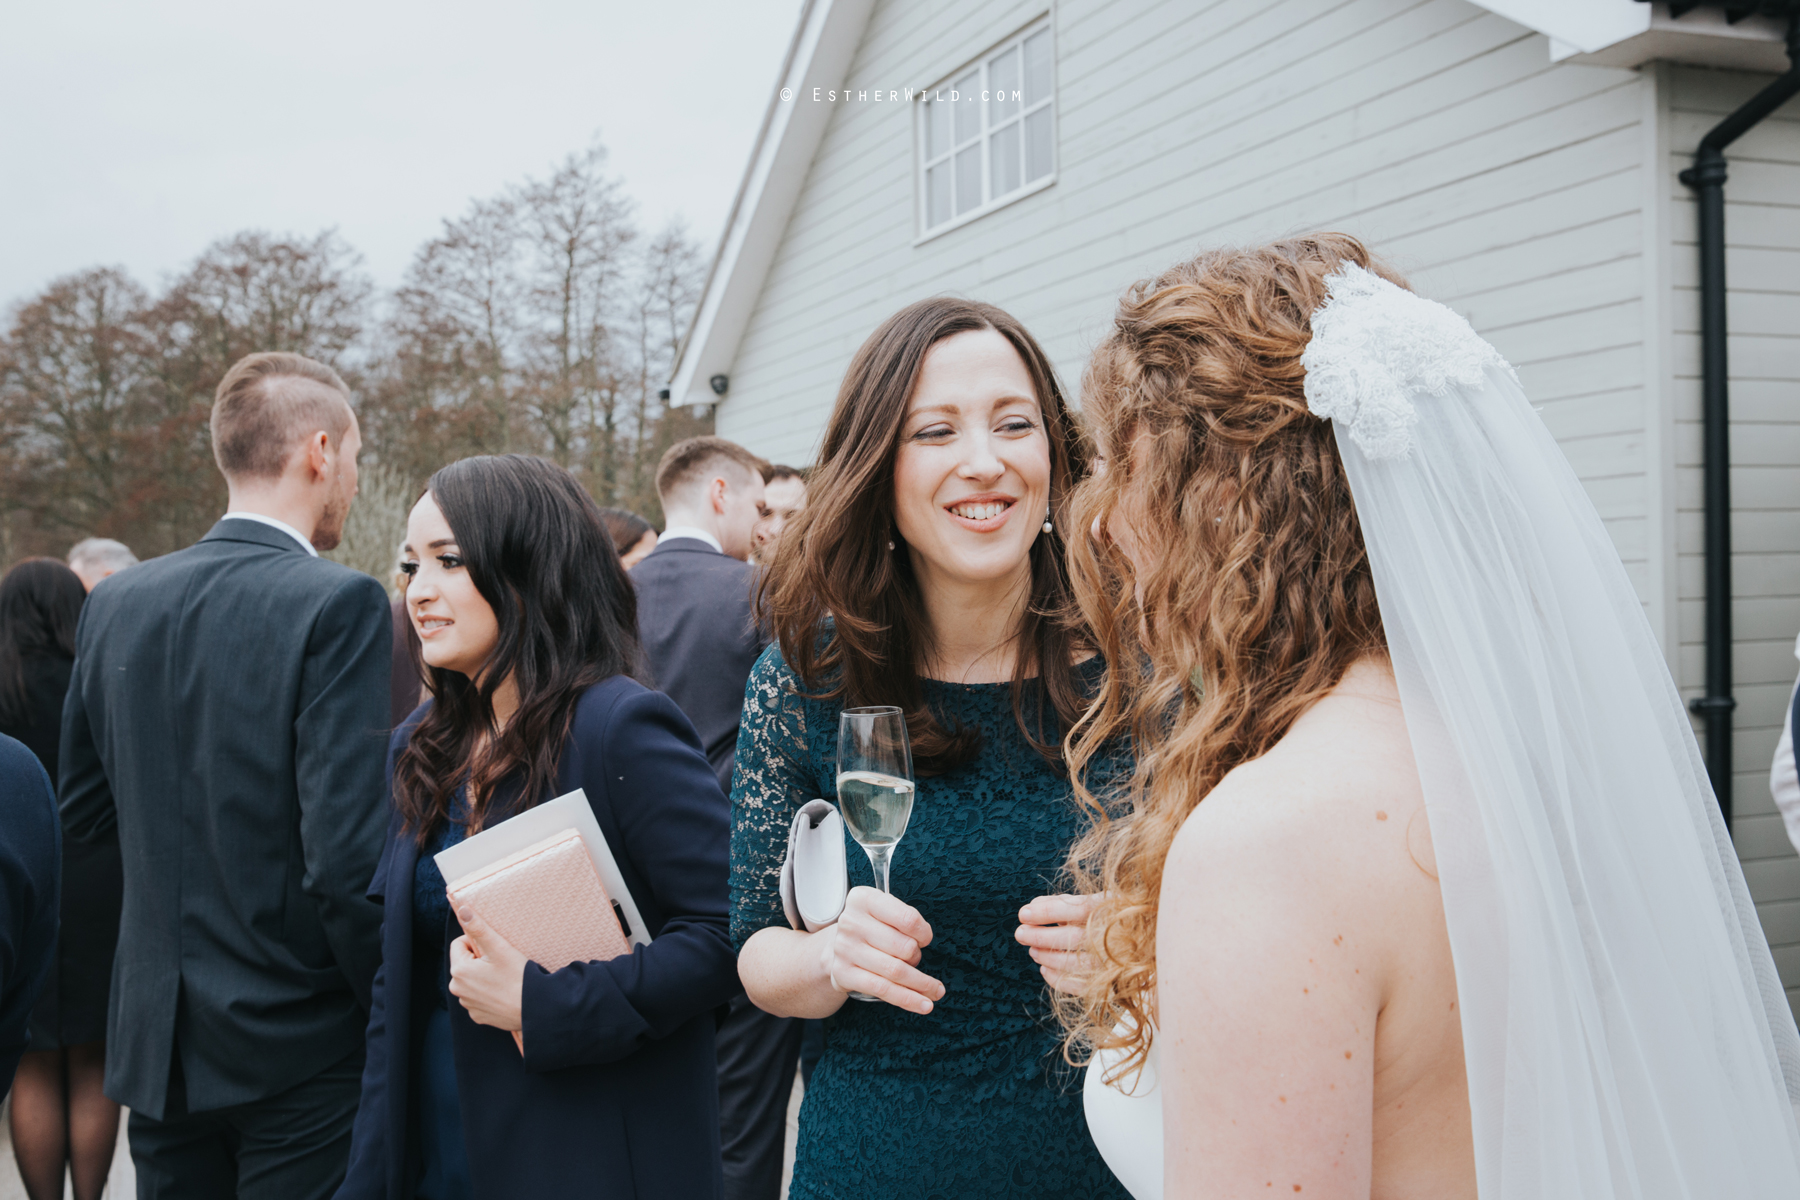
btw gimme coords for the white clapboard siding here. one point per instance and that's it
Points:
(1536, 198)
(1762, 230)
(1509, 187)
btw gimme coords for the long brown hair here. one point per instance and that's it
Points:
(1259, 597)
(537, 550)
(833, 560)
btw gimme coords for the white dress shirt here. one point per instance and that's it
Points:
(690, 531)
(1784, 781)
(272, 523)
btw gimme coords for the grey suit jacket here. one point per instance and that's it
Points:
(700, 640)
(229, 713)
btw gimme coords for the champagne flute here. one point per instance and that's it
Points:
(875, 785)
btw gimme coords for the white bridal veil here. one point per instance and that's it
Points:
(1625, 1031)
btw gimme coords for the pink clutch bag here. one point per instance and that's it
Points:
(548, 902)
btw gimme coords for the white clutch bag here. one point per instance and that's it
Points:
(814, 879)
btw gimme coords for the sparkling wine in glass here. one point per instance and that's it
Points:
(875, 784)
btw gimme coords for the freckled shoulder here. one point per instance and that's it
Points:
(1337, 799)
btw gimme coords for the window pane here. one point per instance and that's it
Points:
(1003, 81)
(1003, 159)
(1039, 158)
(968, 179)
(937, 128)
(937, 195)
(968, 106)
(1037, 67)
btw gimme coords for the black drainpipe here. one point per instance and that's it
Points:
(1707, 178)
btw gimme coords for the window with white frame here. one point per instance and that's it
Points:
(987, 136)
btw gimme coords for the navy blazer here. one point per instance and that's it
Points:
(30, 893)
(700, 637)
(616, 1094)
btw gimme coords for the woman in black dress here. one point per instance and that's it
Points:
(60, 1116)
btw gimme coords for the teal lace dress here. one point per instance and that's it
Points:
(975, 1099)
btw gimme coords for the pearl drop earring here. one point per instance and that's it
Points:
(890, 545)
(1047, 526)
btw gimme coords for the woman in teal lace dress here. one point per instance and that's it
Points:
(926, 572)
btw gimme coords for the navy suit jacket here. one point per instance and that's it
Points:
(700, 638)
(227, 715)
(30, 893)
(616, 1094)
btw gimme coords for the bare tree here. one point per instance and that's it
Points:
(577, 228)
(457, 321)
(106, 394)
(72, 374)
(539, 321)
(254, 291)
(669, 281)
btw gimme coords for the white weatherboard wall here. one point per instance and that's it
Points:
(1762, 272)
(1504, 185)
(1534, 197)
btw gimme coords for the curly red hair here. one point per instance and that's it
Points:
(1259, 595)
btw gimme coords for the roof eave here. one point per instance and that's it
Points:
(1630, 33)
(824, 42)
(1702, 37)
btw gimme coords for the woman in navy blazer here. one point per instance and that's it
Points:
(528, 625)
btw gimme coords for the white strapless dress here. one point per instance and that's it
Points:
(1128, 1129)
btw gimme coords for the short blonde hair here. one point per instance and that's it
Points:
(264, 407)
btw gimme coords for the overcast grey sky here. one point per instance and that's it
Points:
(135, 134)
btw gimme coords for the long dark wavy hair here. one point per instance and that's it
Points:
(40, 601)
(536, 549)
(833, 559)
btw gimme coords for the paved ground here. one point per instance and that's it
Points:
(787, 1151)
(122, 1185)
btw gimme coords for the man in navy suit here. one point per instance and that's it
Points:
(229, 716)
(694, 589)
(30, 894)
(700, 641)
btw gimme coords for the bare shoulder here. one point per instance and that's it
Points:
(1334, 806)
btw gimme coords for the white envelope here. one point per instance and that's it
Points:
(570, 811)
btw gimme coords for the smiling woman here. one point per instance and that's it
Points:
(528, 625)
(949, 404)
(457, 628)
(926, 571)
(973, 449)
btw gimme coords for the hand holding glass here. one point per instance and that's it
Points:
(875, 785)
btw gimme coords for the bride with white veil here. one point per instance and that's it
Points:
(1413, 782)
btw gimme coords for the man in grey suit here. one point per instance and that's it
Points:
(229, 715)
(700, 641)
